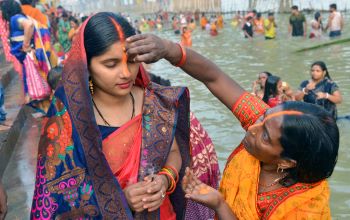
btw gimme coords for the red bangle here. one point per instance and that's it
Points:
(183, 57)
(173, 171)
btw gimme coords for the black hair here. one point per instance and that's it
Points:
(317, 15)
(100, 33)
(71, 18)
(270, 14)
(54, 76)
(323, 67)
(295, 7)
(10, 8)
(258, 15)
(159, 80)
(254, 11)
(271, 87)
(26, 2)
(267, 73)
(312, 140)
(84, 18)
(64, 14)
(334, 6)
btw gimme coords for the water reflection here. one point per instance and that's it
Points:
(242, 60)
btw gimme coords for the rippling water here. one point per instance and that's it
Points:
(242, 60)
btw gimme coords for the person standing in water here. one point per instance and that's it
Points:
(270, 27)
(297, 23)
(335, 21)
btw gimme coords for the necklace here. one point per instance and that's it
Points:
(274, 182)
(105, 121)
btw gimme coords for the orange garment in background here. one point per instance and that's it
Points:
(220, 22)
(213, 30)
(35, 13)
(122, 150)
(186, 39)
(240, 181)
(204, 22)
(259, 26)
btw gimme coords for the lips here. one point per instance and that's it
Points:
(124, 85)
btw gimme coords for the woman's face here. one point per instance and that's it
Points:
(280, 87)
(111, 73)
(317, 73)
(262, 139)
(262, 79)
(72, 24)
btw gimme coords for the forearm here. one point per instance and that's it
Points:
(336, 99)
(28, 34)
(174, 158)
(290, 29)
(224, 212)
(299, 95)
(202, 69)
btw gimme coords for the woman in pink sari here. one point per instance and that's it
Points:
(111, 136)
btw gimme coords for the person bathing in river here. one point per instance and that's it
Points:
(259, 84)
(320, 89)
(282, 163)
(186, 37)
(274, 92)
(248, 28)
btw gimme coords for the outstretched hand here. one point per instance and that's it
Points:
(147, 48)
(200, 192)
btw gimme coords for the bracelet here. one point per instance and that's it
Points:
(172, 171)
(183, 56)
(327, 95)
(303, 90)
(171, 181)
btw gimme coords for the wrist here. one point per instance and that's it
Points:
(165, 181)
(173, 52)
(327, 95)
(220, 205)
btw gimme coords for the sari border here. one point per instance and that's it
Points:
(289, 192)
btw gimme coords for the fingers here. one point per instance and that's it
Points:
(146, 58)
(153, 205)
(139, 50)
(136, 37)
(153, 197)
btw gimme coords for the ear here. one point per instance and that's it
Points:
(286, 163)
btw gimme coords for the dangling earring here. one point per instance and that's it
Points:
(91, 86)
(279, 169)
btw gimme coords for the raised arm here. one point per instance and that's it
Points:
(150, 48)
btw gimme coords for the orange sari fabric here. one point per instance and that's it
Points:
(122, 150)
(35, 13)
(240, 181)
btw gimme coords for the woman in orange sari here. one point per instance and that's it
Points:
(114, 145)
(280, 169)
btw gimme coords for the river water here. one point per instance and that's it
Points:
(242, 60)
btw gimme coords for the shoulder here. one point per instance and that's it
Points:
(304, 83)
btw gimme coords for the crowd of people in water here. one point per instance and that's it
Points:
(102, 110)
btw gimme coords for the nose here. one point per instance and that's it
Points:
(125, 73)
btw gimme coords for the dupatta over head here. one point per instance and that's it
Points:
(73, 177)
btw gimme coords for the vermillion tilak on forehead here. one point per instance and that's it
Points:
(122, 42)
(273, 115)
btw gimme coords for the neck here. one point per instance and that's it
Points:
(317, 80)
(109, 100)
(268, 168)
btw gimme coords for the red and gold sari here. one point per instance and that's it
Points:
(81, 175)
(240, 181)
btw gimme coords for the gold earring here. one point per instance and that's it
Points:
(91, 87)
(279, 169)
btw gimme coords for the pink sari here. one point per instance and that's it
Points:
(122, 150)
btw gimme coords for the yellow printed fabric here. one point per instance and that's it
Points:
(270, 33)
(239, 187)
(240, 181)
